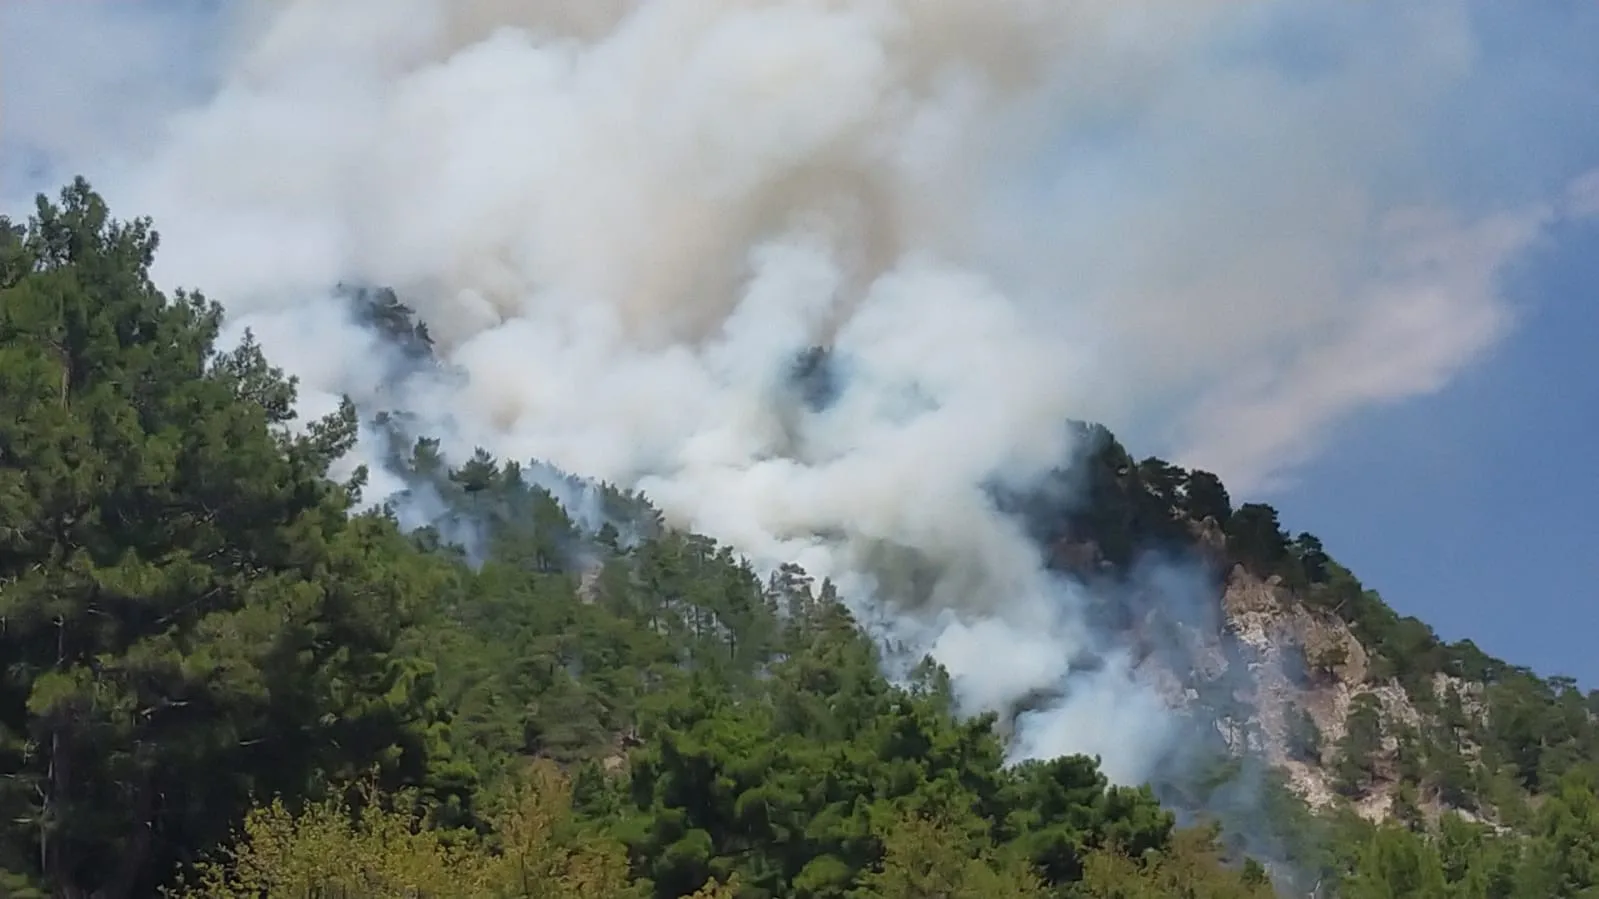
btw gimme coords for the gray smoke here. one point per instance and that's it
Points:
(624, 221)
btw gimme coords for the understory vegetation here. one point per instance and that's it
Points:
(219, 678)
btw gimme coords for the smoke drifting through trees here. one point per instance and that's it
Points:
(624, 222)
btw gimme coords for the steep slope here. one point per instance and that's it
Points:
(1291, 658)
(1286, 657)
(1284, 664)
(196, 618)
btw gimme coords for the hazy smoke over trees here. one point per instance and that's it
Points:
(624, 222)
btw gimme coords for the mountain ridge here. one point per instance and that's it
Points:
(1279, 598)
(1321, 637)
(227, 675)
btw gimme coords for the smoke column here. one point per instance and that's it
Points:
(625, 221)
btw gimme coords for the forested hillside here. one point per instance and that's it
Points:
(219, 678)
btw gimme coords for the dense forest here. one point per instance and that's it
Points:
(220, 678)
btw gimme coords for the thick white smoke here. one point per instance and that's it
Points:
(624, 220)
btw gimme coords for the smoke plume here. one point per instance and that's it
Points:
(627, 223)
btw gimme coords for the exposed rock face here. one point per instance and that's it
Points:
(588, 585)
(1278, 659)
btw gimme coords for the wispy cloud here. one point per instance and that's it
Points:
(1582, 198)
(1433, 307)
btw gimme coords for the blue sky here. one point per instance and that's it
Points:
(1472, 507)
(1475, 509)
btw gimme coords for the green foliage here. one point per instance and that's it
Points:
(922, 857)
(189, 613)
(1304, 738)
(1360, 747)
(1204, 497)
(1189, 867)
(1397, 864)
(1256, 540)
(378, 851)
(1521, 735)
(202, 646)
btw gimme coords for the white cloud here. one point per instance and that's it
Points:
(1432, 308)
(1582, 199)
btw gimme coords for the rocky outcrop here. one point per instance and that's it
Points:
(1280, 659)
